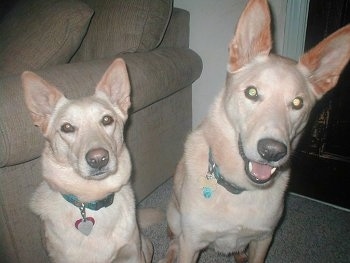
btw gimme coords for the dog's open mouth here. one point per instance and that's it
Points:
(257, 172)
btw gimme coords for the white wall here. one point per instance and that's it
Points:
(211, 28)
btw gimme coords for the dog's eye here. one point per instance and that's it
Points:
(297, 103)
(107, 120)
(251, 93)
(67, 128)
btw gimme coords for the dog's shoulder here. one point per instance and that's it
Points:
(43, 199)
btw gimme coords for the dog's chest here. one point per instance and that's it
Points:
(236, 239)
(112, 228)
(232, 232)
(102, 241)
(103, 221)
(229, 222)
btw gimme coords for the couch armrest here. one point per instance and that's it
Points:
(160, 73)
(154, 75)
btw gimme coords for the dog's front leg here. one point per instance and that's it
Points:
(130, 253)
(258, 249)
(180, 252)
(172, 252)
(188, 252)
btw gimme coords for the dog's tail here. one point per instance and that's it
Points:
(149, 216)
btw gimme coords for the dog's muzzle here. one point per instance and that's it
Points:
(271, 151)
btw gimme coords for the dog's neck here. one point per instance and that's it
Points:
(214, 170)
(94, 205)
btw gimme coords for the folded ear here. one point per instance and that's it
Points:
(40, 97)
(325, 61)
(115, 85)
(253, 35)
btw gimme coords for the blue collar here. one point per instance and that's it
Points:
(214, 170)
(94, 205)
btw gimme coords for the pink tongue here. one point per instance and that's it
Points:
(261, 171)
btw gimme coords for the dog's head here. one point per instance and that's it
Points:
(268, 98)
(85, 134)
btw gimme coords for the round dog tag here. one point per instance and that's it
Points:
(85, 226)
(208, 185)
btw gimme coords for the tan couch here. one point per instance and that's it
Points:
(71, 43)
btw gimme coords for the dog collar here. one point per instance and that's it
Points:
(94, 205)
(213, 169)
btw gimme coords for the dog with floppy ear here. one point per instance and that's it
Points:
(86, 202)
(229, 185)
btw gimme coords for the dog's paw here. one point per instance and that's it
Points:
(241, 257)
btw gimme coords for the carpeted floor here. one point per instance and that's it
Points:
(310, 232)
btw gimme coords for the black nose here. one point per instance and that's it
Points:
(97, 158)
(271, 150)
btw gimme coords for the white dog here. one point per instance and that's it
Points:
(86, 202)
(229, 186)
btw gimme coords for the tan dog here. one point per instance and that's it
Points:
(229, 186)
(86, 202)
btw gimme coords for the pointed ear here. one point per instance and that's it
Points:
(325, 62)
(115, 85)
(40, 97)
(253, 35)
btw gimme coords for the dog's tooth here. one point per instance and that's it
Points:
(250, 166)
(273, 170)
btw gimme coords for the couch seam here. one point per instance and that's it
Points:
(146, 22)
(6, 148)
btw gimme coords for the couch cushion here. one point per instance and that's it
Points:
(124, 26)
(35, 34)
(153, 75)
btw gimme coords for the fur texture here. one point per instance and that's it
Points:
(251, 130)
(85, 156)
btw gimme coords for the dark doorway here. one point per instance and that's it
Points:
(321, 164)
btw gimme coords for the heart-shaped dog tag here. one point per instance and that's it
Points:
(85, 226)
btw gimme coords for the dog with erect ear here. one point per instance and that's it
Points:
(85, 201)
(229, 186)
